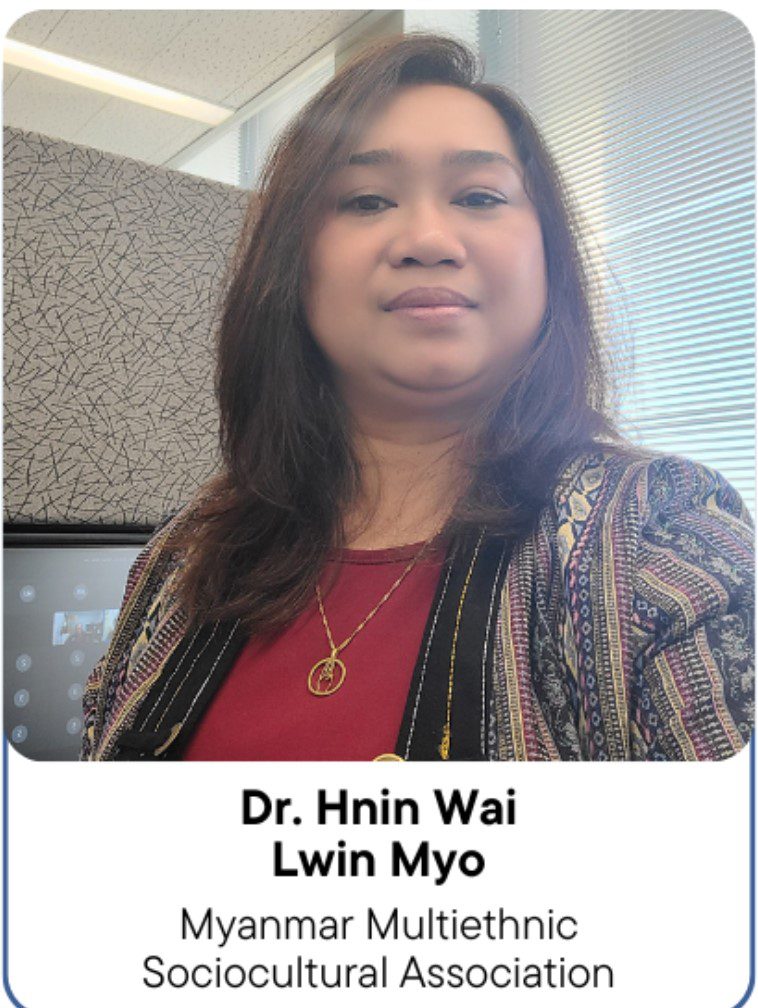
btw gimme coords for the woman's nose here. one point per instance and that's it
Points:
(426, 237)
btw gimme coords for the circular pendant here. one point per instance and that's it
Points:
(326, 676)
(388, 757)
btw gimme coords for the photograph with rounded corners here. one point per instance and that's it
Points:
(379, 385)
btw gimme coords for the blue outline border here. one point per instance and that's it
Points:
(6, 981)
(751, 981)
(743, 1001)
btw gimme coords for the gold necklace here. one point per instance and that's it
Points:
(328, 674)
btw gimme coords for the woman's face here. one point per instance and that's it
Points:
(426, 280)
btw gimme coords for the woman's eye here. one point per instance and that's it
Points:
(367, 204)
(481, 200)
(364, 204)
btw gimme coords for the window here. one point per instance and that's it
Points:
(236, 155)
(259, 131)
(650, 116)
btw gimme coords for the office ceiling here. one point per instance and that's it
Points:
(224, 57)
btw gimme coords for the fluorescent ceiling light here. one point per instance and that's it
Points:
(120, 86)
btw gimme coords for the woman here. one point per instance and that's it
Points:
(427, 540)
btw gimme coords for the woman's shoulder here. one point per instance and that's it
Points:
(153, 572)
(623, 498)
(159, 549)
(644, 483)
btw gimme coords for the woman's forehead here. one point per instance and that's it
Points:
(432, 117)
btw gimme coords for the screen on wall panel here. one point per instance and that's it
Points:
(61, 605)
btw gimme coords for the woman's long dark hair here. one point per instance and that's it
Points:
(256, 538)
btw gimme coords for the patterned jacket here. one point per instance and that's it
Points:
(621, 628)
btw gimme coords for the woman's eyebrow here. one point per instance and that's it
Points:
(385, 156)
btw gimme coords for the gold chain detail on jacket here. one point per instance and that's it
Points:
(444, 746)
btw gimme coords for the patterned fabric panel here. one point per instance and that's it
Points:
(113, 269)
(694, 616)
(627, 619)
(149, 627)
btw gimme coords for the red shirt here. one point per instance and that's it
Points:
(264, 709)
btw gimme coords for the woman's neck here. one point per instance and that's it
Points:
(411, 479)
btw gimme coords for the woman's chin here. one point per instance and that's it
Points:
(440, 378)
(405, 389)
(427, 390)
(430, 384)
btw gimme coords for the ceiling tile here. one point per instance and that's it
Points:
(227, 57)
(178, 141)
(219, 52)
(34, 28)
(42, 104)
(121, 40)
(290, 50)
(9, 75)
(122, 127)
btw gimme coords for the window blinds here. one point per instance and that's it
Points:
(650, 116)
(220, 161)
(237, 156)
(259, 132)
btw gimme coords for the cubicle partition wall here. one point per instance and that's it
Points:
(113, 275)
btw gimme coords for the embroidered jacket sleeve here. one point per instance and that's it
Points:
(142, 610)
(692, 611)
(638, 592)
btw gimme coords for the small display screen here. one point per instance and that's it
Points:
(61, 606)
(83, 627)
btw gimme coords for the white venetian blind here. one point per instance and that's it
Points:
(260, 131)
(236, 156)
(220, 161)
(650, 115)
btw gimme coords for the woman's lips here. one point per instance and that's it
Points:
(430, 304)
(429, 297)
(432, 313)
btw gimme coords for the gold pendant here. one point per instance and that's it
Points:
(388, 757)
(322, 680)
